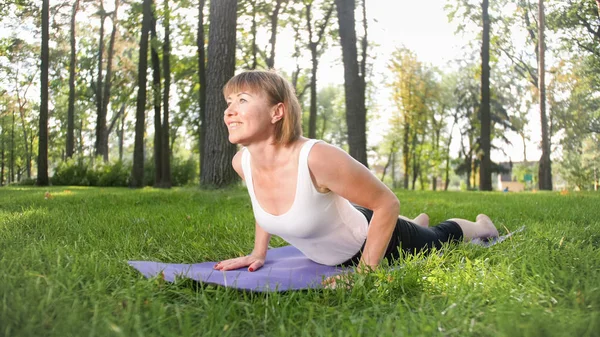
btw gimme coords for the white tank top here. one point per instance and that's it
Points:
(323, 226)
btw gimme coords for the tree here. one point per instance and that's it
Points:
(485, 174)
(354, 80)
(202, 80)
(165, 181)
(216, 169)
(42, 178)
(137, 175)
(156, 100)
(314, 40)
(72, 64)
(545, 167)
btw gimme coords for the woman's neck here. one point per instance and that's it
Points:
(266, 156)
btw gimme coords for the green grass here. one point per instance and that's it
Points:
(64, 272)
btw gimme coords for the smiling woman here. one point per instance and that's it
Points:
(314, 195)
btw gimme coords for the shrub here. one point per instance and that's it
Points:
(71, 172)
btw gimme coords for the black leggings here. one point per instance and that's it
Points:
(410, 238)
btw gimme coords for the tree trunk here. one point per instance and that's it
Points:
(202, 80)
(137, 176)
(216, 167)
(121, 134)
(314, 53)
(393, 173)
(253, 33)
(312, 117)
(545, 166)
(3, 138)
(156, 98)
(101, 117)
(166, 153)
(485, 175)
(406, 154)
(354, 83)
(11, 168)
(42, 167)
(108, 84)
(72, 64)
(273, 39)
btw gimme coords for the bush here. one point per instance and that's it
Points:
(184, 172)
(79, 173)
(115, 174)
(71, 172)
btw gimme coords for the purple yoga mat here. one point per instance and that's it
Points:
(285, 268)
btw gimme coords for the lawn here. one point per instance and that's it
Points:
(64, 272)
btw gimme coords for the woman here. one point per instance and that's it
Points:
(303, 190)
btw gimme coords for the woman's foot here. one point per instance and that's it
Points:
(422, 220)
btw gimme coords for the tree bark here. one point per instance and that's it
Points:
(273, 38)
(253, 33)
(156, 98)
(202, 80)
(101, 117)
(137, 176)
(485, 174)
(406, 154)
(545, 166)
(72, 64)
(165, 151)
(314, 53)
(108, 84)
(42, 167)
(354, 84)
(216, 167)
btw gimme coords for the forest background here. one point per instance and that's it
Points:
(127, 93)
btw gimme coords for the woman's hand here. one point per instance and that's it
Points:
(252, 262)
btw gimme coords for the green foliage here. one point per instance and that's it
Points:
(78, 172)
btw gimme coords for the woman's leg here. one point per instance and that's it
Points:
(482, 228)
(421, 219)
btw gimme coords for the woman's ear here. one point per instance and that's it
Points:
(277, 112)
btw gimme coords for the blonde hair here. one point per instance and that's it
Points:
(278, 90)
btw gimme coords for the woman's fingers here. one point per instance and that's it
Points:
(254, 266)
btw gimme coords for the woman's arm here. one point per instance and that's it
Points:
(333, 169)
(256, 259)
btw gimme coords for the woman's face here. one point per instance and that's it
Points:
(248, 117)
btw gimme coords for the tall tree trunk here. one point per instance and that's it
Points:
(545, 166)
(108, 84)
(72, 64)
(28, 150)
(314, 53)
(42, 167)
(216, 167)
(202, 80)
(156, 98)
(253, 33)
(11, 167)
(273, 38)
(354, 84)
(406, 154)
(137, 176)
(3, 151)
(166, 153)
(101, 118)
(485, 175)
(393, 173)
(121, 134)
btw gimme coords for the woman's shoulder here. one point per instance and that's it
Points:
(236, 162)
